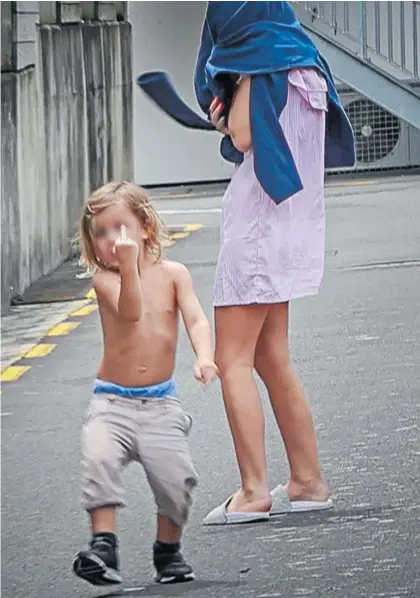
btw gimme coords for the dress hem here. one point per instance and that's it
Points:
(264, 301)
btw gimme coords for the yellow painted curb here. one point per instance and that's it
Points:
(14, 372)
(41, 350)
(182, 233)
(191, 228)
(179, 236)
(86, 310)
(62, 329)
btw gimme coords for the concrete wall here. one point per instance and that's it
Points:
(66, 128)
(166, 36)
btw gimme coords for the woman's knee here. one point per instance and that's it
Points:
(272, 350)
(237, 332)
(272, 358)
(231, 362)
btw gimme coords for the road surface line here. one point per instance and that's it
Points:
(63, 328)
(177, 236)
(40, 350)
(86, 310)
(14, 372)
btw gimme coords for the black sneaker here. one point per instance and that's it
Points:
(99, 564)
(171, 566)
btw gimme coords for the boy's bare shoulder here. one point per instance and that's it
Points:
(177, 271)
(102, 277)
(107, 287)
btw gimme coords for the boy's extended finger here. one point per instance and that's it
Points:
(123, 232)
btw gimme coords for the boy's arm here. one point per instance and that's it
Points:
(196, 323)
(123, 299)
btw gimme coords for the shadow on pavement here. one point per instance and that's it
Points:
(183, 589)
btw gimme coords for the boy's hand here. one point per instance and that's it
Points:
(125, 249)
(205, 370)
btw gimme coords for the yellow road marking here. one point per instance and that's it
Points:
(86, 310)
(168, 243)
(62, 329)
(192, 227)
(40, 350)
(179, 235)
(14, 372)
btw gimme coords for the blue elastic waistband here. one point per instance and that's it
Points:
(160, 390)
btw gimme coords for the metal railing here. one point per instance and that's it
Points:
(386, 34)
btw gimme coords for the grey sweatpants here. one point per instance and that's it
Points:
(152, 432)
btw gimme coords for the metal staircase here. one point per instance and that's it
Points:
(372, 47)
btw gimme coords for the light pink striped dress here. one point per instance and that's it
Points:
(274, 253)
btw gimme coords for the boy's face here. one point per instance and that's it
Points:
(106, 227)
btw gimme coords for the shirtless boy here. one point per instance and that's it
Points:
(134, 414)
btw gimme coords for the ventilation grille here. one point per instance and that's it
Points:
(376, 131)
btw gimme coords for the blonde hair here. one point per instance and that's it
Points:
(137, 199)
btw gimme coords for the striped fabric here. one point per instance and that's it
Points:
(274, 253)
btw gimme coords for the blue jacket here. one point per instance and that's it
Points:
(264, 40)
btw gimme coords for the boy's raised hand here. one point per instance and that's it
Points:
(125, 249)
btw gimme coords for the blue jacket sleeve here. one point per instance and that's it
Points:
(272, 155)
(159, 88)
(202, 89)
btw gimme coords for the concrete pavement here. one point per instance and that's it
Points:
(356, 347)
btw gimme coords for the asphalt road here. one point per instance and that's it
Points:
(356, 346)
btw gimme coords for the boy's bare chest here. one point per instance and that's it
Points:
(158, 298)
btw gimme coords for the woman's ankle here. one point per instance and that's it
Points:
(255, 499)
(255, 492)
(311, 488)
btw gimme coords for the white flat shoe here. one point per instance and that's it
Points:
(220, 516)
(282, 503)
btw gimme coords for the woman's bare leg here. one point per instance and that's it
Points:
(237, 330)
(290, 406)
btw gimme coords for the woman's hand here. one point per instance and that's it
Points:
(217, 120)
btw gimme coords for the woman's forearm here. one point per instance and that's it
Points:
(239, 124)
